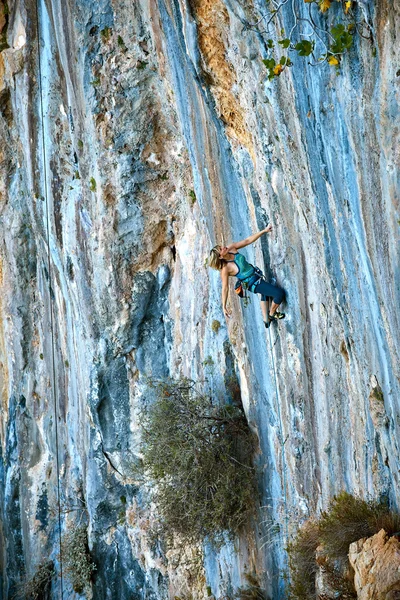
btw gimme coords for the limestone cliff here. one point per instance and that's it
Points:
(136, 135)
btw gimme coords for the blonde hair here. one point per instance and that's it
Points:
(215, 261)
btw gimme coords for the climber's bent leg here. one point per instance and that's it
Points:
(273, 308)
(272, 291)
(267, 290)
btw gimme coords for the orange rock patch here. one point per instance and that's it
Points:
(376, 563)
(213, 27)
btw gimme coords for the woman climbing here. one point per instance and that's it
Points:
(231, 263)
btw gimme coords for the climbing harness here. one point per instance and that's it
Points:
(50, 294)
(249, 283)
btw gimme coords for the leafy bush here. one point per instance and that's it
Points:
(302, 563)
(37, 587)
(76, 560)
(199, 456)
(348, 519)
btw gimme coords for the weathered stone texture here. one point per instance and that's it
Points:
(376, 562)
(149, 134)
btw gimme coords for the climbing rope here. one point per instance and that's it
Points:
(50, 293)
(281, 440)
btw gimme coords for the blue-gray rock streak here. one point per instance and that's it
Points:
(135, 136)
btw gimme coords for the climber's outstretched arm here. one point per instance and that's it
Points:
(249, 240)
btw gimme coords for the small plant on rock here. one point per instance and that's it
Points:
(106, 34)
(192, 197)
(302, 561)
(198, 459)
(215, 326)
(76, 560)
(350, 518)
(347, 519)
(121, 43)
(322, 30)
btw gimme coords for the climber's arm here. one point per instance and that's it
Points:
(249, 240)
(225, 292)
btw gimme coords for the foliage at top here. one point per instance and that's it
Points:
(348, 519)
(308, 37)
(198, 458)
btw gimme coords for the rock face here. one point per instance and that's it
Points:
(376, 562)
(136, 135)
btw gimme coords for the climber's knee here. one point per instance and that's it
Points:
(279, 296)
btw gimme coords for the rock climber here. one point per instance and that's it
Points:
(231, 263)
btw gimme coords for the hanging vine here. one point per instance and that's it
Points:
(326, 43)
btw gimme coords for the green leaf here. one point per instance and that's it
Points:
(284, 43)
(269, 63)
(283, 60)
(304, 48)
(337, 30)
(337, 48)
(270, 43)
(346, 40)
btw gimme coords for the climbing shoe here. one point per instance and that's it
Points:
(276, 316)
(267, 323)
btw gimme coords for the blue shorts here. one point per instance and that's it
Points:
(267, 290)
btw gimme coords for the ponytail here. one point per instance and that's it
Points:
(215, 261)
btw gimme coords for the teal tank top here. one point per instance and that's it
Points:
(246, 270)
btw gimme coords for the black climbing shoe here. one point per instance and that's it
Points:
(277, 316)
(268, 323)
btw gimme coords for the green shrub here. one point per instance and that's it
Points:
(350, 518)
(192, 197)
(208, 362)
(38, 586)
(76, 560)
(92, 184)
(347, 519)
(199, 456)
(302, 563)
(106, 34)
